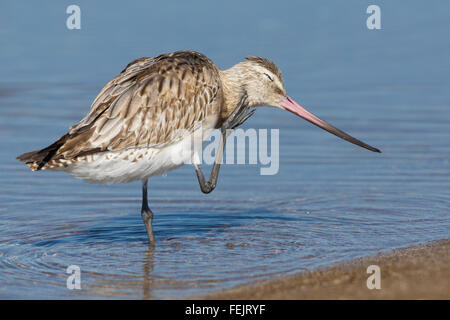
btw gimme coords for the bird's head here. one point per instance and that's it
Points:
(264, 84)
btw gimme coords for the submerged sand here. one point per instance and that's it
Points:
(411, 273)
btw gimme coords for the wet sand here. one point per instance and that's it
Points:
(411, 273)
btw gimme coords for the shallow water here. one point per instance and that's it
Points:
(330, 200)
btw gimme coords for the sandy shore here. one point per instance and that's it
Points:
(412, 273)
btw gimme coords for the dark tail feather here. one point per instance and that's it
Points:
(37, 159)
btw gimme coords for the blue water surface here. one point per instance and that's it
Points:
(330, 201)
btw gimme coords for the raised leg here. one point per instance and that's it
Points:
(147, 214)
(239, 116)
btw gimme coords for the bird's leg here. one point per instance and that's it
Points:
(239, 116)
(147, 214)
(208, 186)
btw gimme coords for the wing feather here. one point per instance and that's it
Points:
(148, 104)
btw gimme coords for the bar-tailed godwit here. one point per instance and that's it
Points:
(142, 122)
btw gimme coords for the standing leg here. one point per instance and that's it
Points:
(147, 214)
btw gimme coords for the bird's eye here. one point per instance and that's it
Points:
(270, 78)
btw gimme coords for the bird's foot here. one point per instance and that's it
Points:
(239, 115)
(147, 217)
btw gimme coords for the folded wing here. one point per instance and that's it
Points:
(151, 103)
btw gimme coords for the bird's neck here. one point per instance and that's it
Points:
(233, 83)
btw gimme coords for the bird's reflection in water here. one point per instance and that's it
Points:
(136, 285)
(147, 268)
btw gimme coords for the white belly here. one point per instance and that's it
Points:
(137, 164)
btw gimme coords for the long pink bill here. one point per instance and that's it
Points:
(292, 106)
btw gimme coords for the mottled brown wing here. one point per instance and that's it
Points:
(148, 104)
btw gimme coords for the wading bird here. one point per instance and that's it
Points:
(142, 122)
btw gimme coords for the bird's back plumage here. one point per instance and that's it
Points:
(150, 105)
